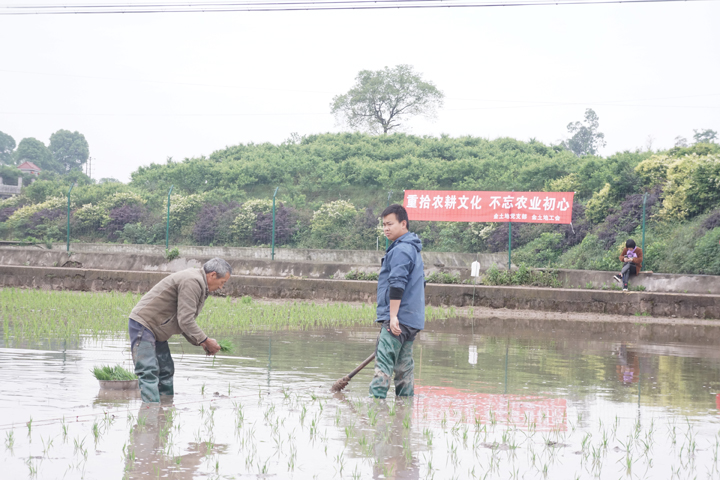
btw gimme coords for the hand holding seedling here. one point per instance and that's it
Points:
(211, 346)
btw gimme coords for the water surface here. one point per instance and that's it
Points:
(492, 401)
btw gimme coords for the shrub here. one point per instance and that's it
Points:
(138, 234)
(172, 254)
(497, 240)
(521, 276)
(599, 205)
(23, 214)
(213, 225)
(183, 209)
(541, 252)
(285, 226)
(568, 183)
(627, 217)
(6, 213)
(92, 216)
(121, 216)
(693, 186)
(591, 254)
(652, 172)
(356, 275)
(712, 221)
(331, 223)
(706, 254)
(119, 199)
(244, 224)
(440, 277)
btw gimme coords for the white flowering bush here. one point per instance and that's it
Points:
(20, 216)
(122, 198)
(332, 222)
(184, 208)
(10, 202)
(92, 216)
(692, 187)
(244, 223)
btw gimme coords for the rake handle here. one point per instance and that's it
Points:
(361, 366)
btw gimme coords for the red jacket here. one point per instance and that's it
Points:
(637, 260)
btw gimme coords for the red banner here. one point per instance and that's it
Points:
(455, 206)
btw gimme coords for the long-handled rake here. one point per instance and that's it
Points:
(342, 383)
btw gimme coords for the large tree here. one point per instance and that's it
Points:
(381, 99)
(7, 145)
(33, 150)
(586, 140)
(705, 136)
(69, 149)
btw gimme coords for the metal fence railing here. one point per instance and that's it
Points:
(126, 218)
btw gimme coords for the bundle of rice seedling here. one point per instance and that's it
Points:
(226, 346)
(106, 372)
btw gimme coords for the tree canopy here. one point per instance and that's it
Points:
(586, 140)
(33, 150)
(380, 100)
(7, 145)
(705, 136)
(69, 149)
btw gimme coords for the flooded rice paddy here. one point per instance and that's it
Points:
(492, 401)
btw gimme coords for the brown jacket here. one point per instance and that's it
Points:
(172, 306)
(637, 260)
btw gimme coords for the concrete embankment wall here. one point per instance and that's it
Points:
(124, 257)
(544, 299)
(354, 257)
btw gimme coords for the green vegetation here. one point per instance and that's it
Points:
(106, 372)
(333, 186)
(172, 254)
(355, 275)
(381, 99)
(226, 346)
(521, 276)
(441, 277)
(34, 314)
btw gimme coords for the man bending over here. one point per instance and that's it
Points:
(169, 308)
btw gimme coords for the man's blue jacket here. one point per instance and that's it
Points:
(402, 267)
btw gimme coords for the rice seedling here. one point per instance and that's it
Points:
(226, 346)
(9, 440)
(46, 445)
(36, 314)
(106, 372)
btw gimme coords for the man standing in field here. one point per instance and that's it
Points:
(169, 308)
(401, 305)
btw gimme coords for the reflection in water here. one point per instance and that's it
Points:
(435, 404)
(393, 442)
(150, 446)
(385, 434)
(628, 367)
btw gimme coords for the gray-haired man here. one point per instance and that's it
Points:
(169, 308)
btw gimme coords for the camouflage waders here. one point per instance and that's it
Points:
(392, 355)
(154, 365)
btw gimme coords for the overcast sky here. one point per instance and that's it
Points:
(142, 88)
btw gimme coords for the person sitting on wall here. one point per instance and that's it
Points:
(632, 257)
(169, 308)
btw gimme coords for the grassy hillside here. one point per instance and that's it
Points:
(333, 186)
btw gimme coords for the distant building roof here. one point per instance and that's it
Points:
(29, 167)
